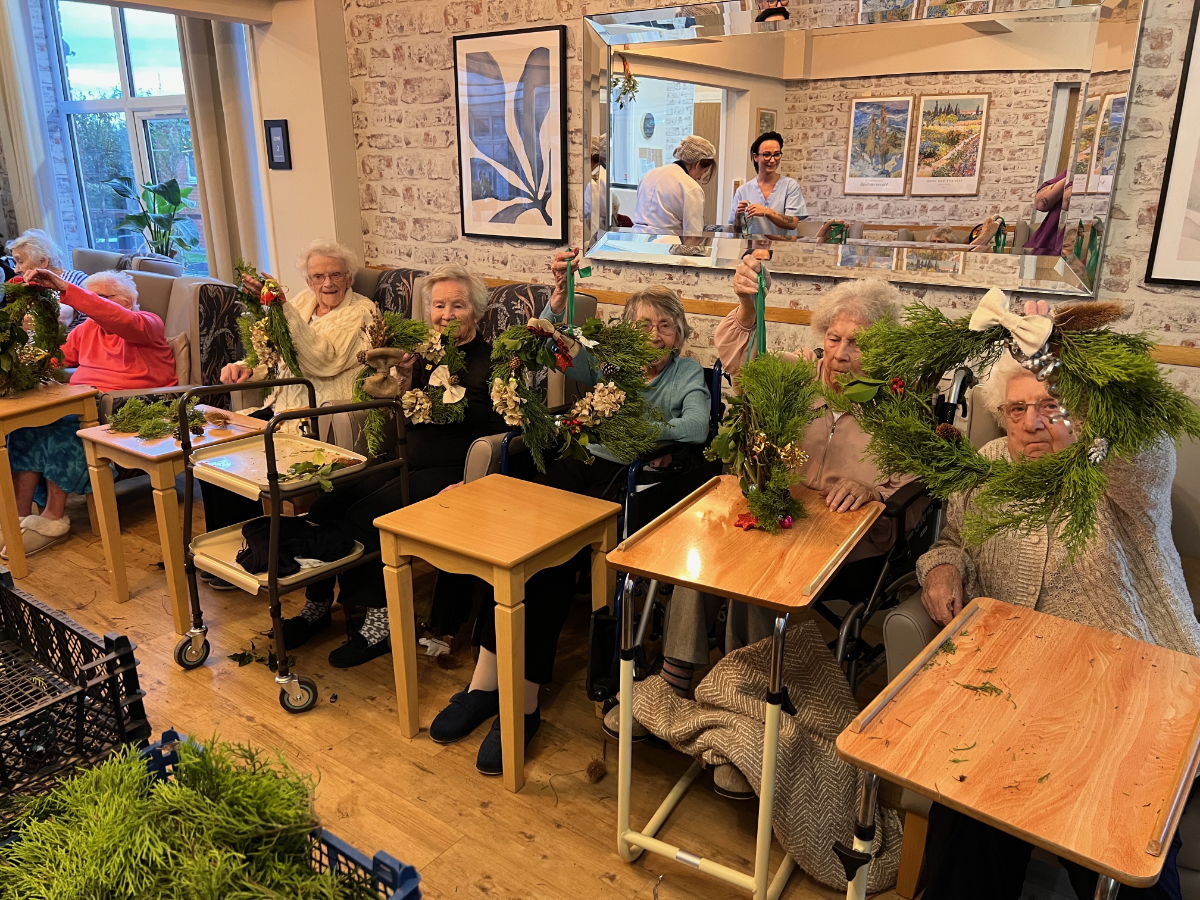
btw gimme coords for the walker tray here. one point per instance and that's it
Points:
(241, 466)
(216, 553)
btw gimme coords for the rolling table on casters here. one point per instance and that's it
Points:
(696, 544)
(162, 460)
(1080, 741)
(40, 406)
(504, 531)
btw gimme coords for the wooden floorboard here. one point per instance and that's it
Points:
(423, 803)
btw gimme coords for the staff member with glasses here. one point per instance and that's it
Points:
(328, 323)
(771, 203)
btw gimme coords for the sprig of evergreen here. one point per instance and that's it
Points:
(926, 346)
(151, 421)
(24, 364)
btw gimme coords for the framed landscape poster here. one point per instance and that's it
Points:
(874, 12)
(866, 256)
(1108, 144)
(950, 136)
(1087, 145)
(765, 121)
(940, 262)
(1175, 246)
(510, 88)
(877, 155)
(937, 9)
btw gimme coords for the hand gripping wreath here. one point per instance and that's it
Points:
(1112, 397)
(266, 337)
(25, 364)
(615, 413)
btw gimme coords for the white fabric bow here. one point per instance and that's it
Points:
(441, 378)
(1030, 332)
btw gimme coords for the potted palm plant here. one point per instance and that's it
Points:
(161, 219)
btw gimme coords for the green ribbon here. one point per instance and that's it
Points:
(760, 311)
(583, 273)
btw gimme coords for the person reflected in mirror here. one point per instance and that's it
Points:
(832, 232)
(597, 187)
(983, 235)
(1050, 199)
(943, 235)
(670, 199)
(619, 220)
(771, 203)
(772, 11)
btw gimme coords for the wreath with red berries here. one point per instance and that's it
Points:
(266, 337)
(25, 364)
(614, 413)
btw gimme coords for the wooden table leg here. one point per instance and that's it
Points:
(510, 666)
(105, 494)
(170, 536)
(10, 522)
(88, 418)
(398, 585)
(604, 579)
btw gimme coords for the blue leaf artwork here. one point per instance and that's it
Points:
(507, 124)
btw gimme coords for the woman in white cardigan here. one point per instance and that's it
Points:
(328, 322)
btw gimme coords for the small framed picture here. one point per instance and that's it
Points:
(279, 148)
(939, 262)
(866, 256)
(877, 153)
(765, 119)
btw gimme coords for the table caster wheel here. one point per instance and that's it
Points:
(308, 688)
(188, 657)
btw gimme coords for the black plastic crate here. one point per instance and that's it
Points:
(67, 697)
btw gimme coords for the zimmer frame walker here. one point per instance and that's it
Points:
(297, 693)
(630, 843)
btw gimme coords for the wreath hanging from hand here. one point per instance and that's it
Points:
(1111, 393)
(614, 413)
(266, 337)
(761, 435)
(441, 402)
(25, 364)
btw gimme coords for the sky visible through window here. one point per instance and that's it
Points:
(90, 52)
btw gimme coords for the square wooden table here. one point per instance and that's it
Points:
(696, 544)
(504, 531)
(162, 460)
(43, 405)
(1080, 741)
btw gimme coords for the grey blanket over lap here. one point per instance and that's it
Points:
(816, 793)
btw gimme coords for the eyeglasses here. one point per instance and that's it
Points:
(778, 154)
(332, 276)
(665, 328)
(1015, 412)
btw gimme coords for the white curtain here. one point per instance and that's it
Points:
(216, 79)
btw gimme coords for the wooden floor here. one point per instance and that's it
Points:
(423, 803)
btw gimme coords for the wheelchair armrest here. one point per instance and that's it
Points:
(897, 505)
(483, 457)
(667, 447)
(907, 630)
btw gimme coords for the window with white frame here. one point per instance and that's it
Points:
(123, 103)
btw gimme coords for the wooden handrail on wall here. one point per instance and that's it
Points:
(1167, 354)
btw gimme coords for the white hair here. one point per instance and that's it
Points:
(112, 282)
(326, 247)
(993, 392)
(477, 291)
(664, 301)
(39, 248)
(866, 301)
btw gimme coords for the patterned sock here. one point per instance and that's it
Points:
(375, 626)
(678, 674)
(313, 610)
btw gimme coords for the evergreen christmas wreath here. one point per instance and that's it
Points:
(442, 401)
(614, 413)
(760, 438)
(1110, 391)
(266, 337)
(25, 364)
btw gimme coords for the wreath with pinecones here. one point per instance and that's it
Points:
(1110, 392)
(26, 363)
(614, 413)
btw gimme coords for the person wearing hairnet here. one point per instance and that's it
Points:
(670, 199)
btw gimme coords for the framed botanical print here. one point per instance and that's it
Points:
(765, 120)
(1175, 246)
(1087, 145)
(1108, 144)
(877, 153)
(950, 137)
(510, 88)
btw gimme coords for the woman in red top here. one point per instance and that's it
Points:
(118, 347)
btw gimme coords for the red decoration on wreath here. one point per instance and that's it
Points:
(16, 279)
(562, 357)
(898, 387)
(746, 521)
(270, 293)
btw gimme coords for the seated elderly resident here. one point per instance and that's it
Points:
(1127, 580)
(835, 444)
(436, 455)
(328, 323)
(677, 389)
(116, 348)
(35, 249)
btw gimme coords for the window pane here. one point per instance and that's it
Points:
(153, 53)
(89, 51)
(169, 143)
(102, 152)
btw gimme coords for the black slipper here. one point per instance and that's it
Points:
(357, 651)
(490, 760)
(467, 711)
(298, 630)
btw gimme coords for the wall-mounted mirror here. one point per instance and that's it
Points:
(960, 142)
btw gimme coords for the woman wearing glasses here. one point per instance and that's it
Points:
(670, 199)
(771, 203)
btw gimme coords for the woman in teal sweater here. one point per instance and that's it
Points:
(678, 391)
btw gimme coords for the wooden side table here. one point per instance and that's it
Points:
(696, 544)
(504, 531)
(40, 406)
(162, 460)
(1080, 741)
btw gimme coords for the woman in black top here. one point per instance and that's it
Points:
(436, 455)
